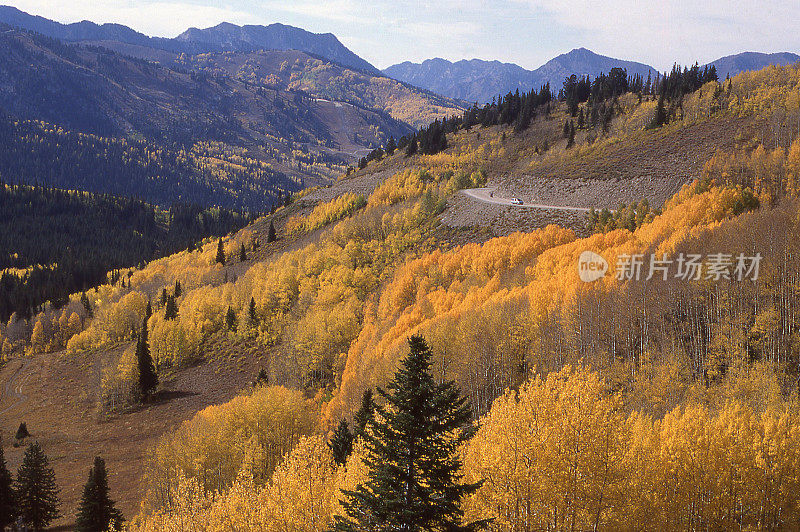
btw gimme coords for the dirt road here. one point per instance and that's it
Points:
(12, 394)
(486, 195)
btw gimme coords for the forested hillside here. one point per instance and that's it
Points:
(93, 90)
(207, 173)
(56, 243)
(297, 71)
(629, 402)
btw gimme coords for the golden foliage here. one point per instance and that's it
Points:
(255, 429)
(326, 213)
(561, 454)
(302, 496)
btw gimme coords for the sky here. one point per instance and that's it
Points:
(526, 32)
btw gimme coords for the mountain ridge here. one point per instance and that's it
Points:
(94, 91)
(730, 65)
(479, 80)
(194, 40)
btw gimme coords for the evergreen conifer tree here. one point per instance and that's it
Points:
(148, 380)
(271, 235)
(35, 489)
(178, 290)
(252, 315)
(242, 254)
(230, 319)
(414, 480)
(262, 379)
(220, 258)
(171, 310)
(341, 443)
(660, 118)
(412, 147)
(97, 512)
(22, 431)
(87, 306)
(364, 415)
(571, 139)
(8, 507)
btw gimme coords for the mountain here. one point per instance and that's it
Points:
(581, 62)
(81, 31)
(479, 81)
(287, 135)
(472, 80)
(223, 37)
(227, 37)
(293, 70)
(334, 301)
(733, 64)
(277, 56)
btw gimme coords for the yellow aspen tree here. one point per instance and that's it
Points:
(793, 169)
(74, 325)
(38, 340)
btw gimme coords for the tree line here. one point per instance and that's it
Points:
(518, 109)
(62, 242)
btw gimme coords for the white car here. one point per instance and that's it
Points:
(516, 201)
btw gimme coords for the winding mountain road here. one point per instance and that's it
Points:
(486, 195)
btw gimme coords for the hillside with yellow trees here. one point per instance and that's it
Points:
(663, 394)
(297, 71)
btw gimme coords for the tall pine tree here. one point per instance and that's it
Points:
(171, 310)
(230, 319)
(252, 315)
(271, 235)
(8, 507)
(35, 489)
(364, 415)
(220, 253)
(414, 480)
(341, 443)
(148, 380)
(97, 512)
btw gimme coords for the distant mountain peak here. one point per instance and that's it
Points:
(730, 65)
(479, 80)
(225, 36)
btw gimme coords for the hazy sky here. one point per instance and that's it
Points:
(526, 32)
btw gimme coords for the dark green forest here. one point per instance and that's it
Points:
(67, 241)
(35, 153)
